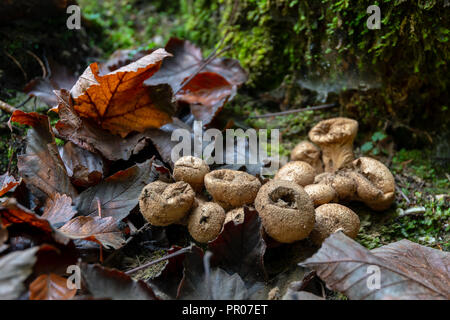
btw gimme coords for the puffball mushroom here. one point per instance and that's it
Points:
(191, 170)
(237, 215)
(343, 184)
(375, 183)
(321, 194)
(162, 203)
(309, 153)
(335, 137)
(332, 217)
(231, 188)
(286, 211)
(300, 172)
(206, 221)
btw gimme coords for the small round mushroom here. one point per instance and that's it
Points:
(332, 217)
(342, 183)
(286, 211)
(375, 183)
(309, 153)
(237, 215)
(191, 170)
(231, 188)
(300, 172)
(162, 203)
(335, 137)
(321, 194)
(206, 221)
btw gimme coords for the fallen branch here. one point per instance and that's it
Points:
(282, 113)
(7, 107)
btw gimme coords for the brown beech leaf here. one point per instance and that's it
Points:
(240, 248)
(59, 209)
(101, 230)
(7, 183)
(117, 194)
(60, 78)
(15, 267)
(113, 284)
(120, 58)
(209, 90)
(89, 136)
(84, 168)
(119, 102)
(50, 287)
(13, 213)
(41, 166)
(407, 270)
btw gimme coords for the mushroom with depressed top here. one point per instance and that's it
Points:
(231, 188)
(162, 203)
(335, 137)
(191, 170)
(206, 221)
(286, 211)
(375, 183)
(309, 153)
(333, 217)
(341, 182)
(321, 194)
(300, 172)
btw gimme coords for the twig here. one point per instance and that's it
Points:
(7, 107)
(282, 113)
(17, 63)
(144, 266)
(44, 70)
(403, 195)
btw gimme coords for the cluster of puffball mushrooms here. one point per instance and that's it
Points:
(301, 201)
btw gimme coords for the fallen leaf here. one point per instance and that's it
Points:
(84, 168)
(15, 267)
(119, 102)
(59, 209)
(300, 295)
(3, 236)
(90, 136)
(41, 166)
(240, 248)
(13, 213)
(113, 284)
(7, 183)
(50, 287)
(118, 194)
(101, 230)
(121, 58)
(60, 78)
(407, 270)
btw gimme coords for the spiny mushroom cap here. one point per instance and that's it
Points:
(309, 153)
(321, 194)
(191, 170)
(300, 172)
(344, 185)
(237, 215)
(332, 217)
(375, 183)
(333, 131)
(231, 188)
(286, 211)
(206, 221)
(335, 137)
(162, 204)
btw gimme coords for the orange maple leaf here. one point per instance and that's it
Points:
(119, 102)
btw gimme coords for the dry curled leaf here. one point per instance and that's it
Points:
(407, 270)
(41, 166)
(50, 287)
(15, 267)
(101, 230)
(117, 194)
(59, 209)
(119, 102)
(7, 183)
(113, 284)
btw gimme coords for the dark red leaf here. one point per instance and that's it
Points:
(50, 287)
